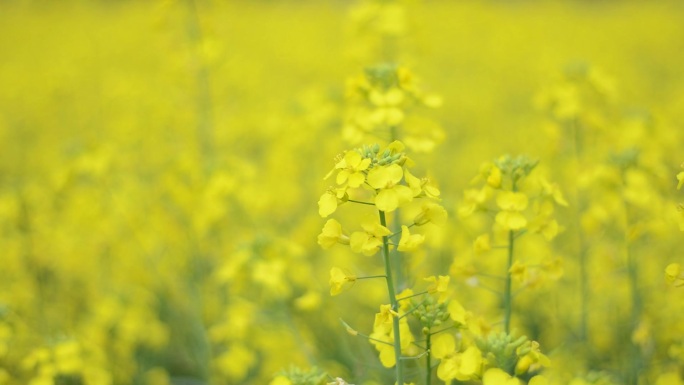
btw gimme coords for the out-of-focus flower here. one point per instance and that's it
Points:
(340, 280)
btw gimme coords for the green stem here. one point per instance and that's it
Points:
(635, 366)
(399, 232)
(393, 302)
(584, 273)
(584, 288)
(371, 276)
(411, 296)
(360, 202)
(428, 364)
(508, 300)
(411, 310)
(356, 333)
(204, 103)
(400, 268)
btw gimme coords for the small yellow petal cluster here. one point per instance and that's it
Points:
(383, 173)
(519, 200)
(377, 178)
(390, 193)
(379, 101)
(352, 168)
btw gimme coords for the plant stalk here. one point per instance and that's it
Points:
(393, 302)
(508, 298)
(428, 364)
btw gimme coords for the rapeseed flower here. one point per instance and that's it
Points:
(496, 376)
(439, 285)
(390, 193)
(369, 241)
(511, 204)
(408, 241)
(430, 213)
(340, 280)
(332, 234)
(352, 169)
(328, 202)
(461, 366)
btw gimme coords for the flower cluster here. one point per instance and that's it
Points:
(380, 105)
(520, 202)
(370, 176)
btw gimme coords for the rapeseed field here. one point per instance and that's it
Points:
(357, 192)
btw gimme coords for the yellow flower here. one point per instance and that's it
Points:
(383, 330)
(496, 376)
(340, 280)
(553, 267)
(439, 286)
(513, 201)
(533, 360)
(329, 201)
(473, 199)
(680, 179)
(511, 220)
(461, 366)
(552, 190)
(408, 241)
(421, 187)
(545, 226)
(518, 271)
(67, 357)
(673, 275)
(332, 234)
(457, 312)
(383, 320)
(494, 177)
(431, 213)
(353, 166)
(404, 304)
(442, 345)
(387, 104)
(511, 204)
(671, 377)
(413, 183)
(429, 188)
(308, 301)
(390, 194)
(482, 244)
(368, 241)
